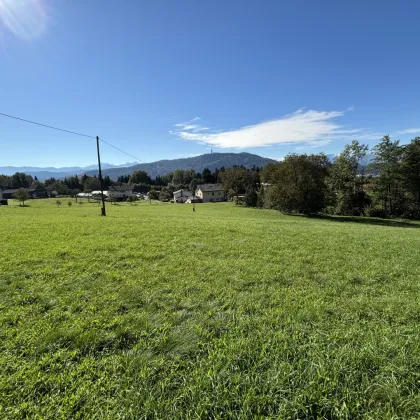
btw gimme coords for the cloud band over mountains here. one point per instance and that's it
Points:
(303, 127)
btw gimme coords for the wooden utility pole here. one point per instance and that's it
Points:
(103, 211)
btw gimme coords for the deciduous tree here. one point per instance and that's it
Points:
(22, 195)
(300, 186)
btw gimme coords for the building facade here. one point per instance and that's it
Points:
(210, 193)
(182, 196)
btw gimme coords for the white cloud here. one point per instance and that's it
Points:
(195, 128)
(309, 127)
(26, 19)
(408, 131)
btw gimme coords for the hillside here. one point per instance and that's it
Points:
(198, 163)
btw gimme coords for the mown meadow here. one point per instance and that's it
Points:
(157, 312)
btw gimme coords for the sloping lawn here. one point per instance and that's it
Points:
(159, 312)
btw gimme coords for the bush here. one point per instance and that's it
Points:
(330, 210)
(132, 199)
(153, 194)
(260, 198)
(371, 211)
(251, 198)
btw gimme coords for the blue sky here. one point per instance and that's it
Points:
(169, 79)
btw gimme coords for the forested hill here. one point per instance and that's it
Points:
(198, 163)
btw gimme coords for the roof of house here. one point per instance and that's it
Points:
(119, 188)
(10, 191)
(210, 187)
(184, 192)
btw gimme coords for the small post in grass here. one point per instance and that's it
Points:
(103, 211)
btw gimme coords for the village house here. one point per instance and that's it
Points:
(181, 196)
(38, 191)
(114, 193)
(118, 193)
(9, 193)
(210, 193)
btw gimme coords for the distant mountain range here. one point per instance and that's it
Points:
(161, 167)
(198, 163)
(48, 172)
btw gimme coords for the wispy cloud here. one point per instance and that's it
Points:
(194, 128)
(308, 127)
(407, 131)
(26, 19)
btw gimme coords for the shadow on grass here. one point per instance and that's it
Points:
(364, 220)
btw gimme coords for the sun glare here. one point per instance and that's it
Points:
(26, 19)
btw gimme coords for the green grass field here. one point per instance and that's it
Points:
(157, 312)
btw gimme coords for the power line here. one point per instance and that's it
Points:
(48, 126)
(70, 132)
(122, 151)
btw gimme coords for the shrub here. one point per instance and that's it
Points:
(251, 198)
(371, 211)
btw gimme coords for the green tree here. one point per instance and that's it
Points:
(251, 197)
(49, 182)
(207, 176)
(5, 180)
(193, 186)
(140, 177)
(270, 173)
(22, 195)
(61, 188)
(123, 179)
(301, 184)
(73, 183)
(178, 177)
(411, 176)
(132, 199)
(238, 180)
(91, 184)
(20, 180)
(388, 158)
(153, 194)
(347, 180)
(107, 182)
(261, 197)
(165, 194)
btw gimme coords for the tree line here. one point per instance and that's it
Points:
(389, 186)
